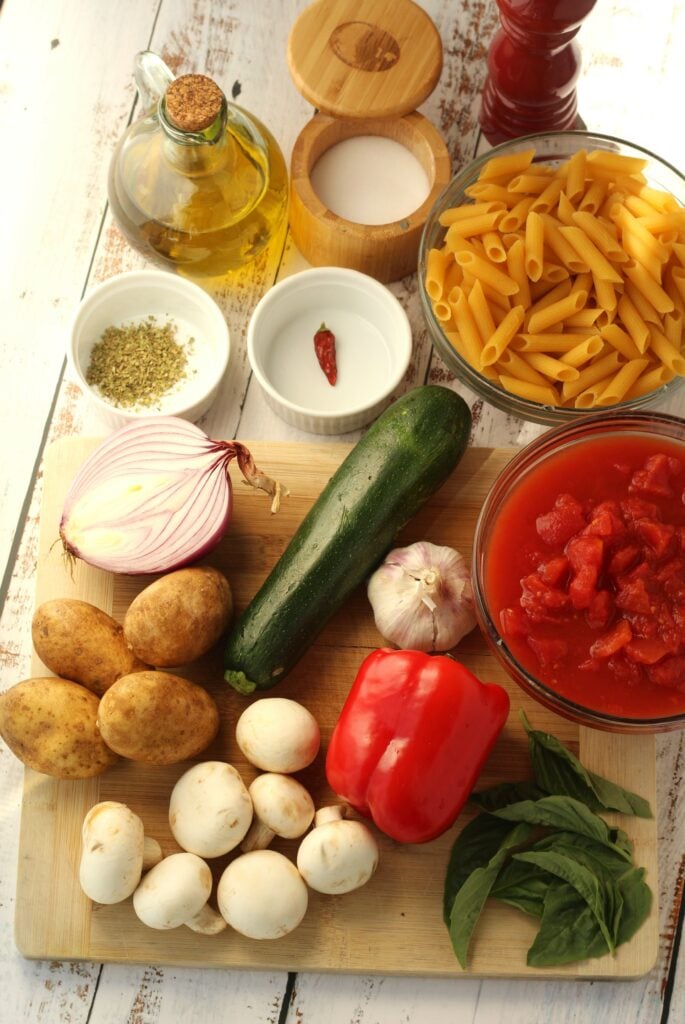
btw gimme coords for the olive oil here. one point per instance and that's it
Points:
(202, 198)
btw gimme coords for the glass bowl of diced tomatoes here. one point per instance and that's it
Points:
(552, 279)
(579, 571)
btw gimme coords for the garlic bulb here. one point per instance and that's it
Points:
(422, 598)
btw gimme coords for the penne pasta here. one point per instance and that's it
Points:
(487, 273)
(550, 367)
(633, 323)
(601, 236)
(586, 349)
(542, 393)
(494, 247)
(650, 289)
(547, 199)
(533, 244)
(616, 163)
(456, 213)
(480, 311)
(516, 266)
(544, 318)
(508, 165)
(665, 352)
(620, 340)
(466, 326)
(437, 263)
(498, 342)
(591, 374)
(476, 225)
(588, 251)
(651, 380)
(621, 383)
(575, 176)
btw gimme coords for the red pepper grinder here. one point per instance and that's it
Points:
(533, 66)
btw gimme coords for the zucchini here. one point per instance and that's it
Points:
(391, 472)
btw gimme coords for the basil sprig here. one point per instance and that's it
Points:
(541, 847)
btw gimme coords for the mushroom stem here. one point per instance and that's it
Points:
(326, 814)
(207, 921)
(258, 837)
(152, 852)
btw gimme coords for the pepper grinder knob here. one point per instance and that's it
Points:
(533, 66)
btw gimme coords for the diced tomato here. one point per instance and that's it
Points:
(600, 611)
(670, 672)
(628, 673)
(611, 642)
(585, 555)
(514, 622)
(646, 652)
(634, 509)
(659, 536)
(606, 521)
(632, 596)
(548, 652)
(562, 522)
(540, 601)
(554, 570)
(622, 559)
(655, 478)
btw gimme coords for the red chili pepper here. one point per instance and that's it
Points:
(411, 740)
(324, 346)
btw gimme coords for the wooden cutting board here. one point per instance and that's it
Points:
(393, 925)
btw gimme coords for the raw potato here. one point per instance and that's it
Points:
(157, 718)
(50, 725)
(78, 641)
(179, 617)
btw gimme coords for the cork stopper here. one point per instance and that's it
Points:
(193, 102)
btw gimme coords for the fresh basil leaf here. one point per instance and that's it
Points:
(523, 886)
(506, 793)
(637, 902)
(560, 812)
(603, 900)
(473, 848)
(559, 772)
(568, 931)
(600, 855)
(471, 896)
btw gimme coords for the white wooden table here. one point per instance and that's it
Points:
(66, 95)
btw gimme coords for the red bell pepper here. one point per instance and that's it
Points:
(411, 740)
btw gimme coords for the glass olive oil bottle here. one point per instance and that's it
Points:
(197, 184)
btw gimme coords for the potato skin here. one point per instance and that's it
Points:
(49, 724)
(157, 718)
(80, 642)
(179, 617)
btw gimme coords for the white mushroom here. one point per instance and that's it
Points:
(262, 895)
(175, 892)
(282, 807)
(338, 855)
(210, 809)
(115, 852)
(278, 735)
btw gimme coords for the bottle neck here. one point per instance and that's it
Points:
(195, 153)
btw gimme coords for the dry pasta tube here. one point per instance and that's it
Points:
(544, 318)
(466, 326)
(621, 341)
(589, 375)
(550, 367)
(486, 273)
(506, 330)
(541, 393)
(621, 383)
(665, 352)
(480, 311)
(456, 213)
(509, 165)
(633, 323)
(650, 381)
(650, 289)
(583, 352)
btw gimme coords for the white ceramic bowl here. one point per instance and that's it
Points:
(373, 348)
(134, 296)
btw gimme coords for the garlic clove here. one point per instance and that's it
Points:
(422, 598)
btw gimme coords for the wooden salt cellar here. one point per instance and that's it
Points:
(365, 65)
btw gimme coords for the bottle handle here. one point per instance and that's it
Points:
(152, 77)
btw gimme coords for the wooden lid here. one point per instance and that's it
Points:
(365, 58)
(193, 102)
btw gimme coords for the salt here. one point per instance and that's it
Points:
(370, 179)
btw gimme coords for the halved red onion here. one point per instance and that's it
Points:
(154, 496)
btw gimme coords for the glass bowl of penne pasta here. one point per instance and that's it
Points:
(578, 570)
(552, 276)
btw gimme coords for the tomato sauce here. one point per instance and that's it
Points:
(585, 575)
